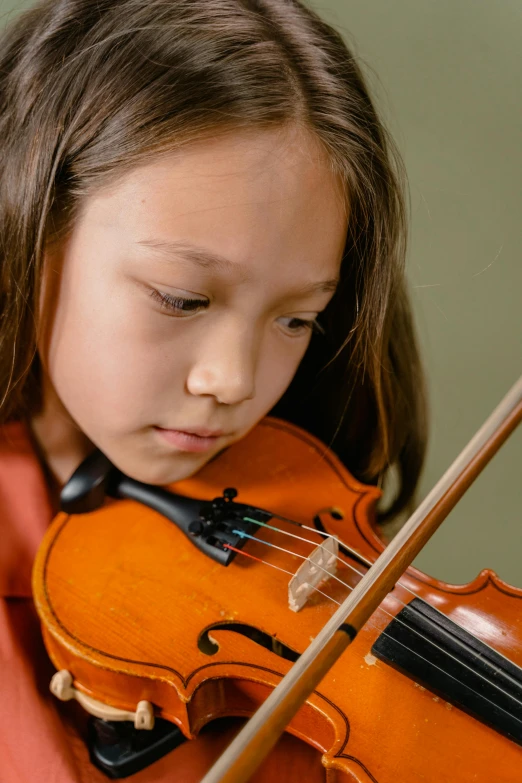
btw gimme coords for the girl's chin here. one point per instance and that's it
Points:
(162, 470)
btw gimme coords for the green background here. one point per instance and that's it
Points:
(446, 75)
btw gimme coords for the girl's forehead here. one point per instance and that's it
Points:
(242, 196)
(272, 163)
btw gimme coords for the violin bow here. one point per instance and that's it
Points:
(259, 735)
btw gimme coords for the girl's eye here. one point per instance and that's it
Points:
(299, 326)
(178, 305)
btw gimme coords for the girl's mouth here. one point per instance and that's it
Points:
(196, 441)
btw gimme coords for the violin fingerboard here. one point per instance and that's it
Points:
(427, 646)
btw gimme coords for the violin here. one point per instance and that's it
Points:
(192, 602)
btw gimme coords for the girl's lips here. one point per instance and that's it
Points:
(190, 441)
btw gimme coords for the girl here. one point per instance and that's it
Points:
(202, 222)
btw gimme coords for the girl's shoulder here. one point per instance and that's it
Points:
(25, 509)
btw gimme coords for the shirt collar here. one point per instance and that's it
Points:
(25, 509)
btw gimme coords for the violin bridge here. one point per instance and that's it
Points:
(320, 566)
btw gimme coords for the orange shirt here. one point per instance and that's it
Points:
(43, 740)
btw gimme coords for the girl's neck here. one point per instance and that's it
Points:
(59, 443)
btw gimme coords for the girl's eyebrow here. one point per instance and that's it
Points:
(168, 249)
(198, 255)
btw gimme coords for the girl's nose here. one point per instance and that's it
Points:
(226, 365)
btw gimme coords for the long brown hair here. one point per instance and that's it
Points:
(90, 90)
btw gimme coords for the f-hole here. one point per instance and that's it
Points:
(209, 647)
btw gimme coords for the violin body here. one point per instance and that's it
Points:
(136, 612)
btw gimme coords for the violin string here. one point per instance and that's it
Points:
(320, 533)
(473, 690)
(338, 557)
(347, 565)
(381, 609)
(242, 534)
(328, 573)
(301, 538)
(332, 576)
(303, 527)
(272, 565)
(351, 567)
(361, 574)
(314, 543)
(258, 559)
(373, 625)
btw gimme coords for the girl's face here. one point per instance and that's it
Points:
(183, 299)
